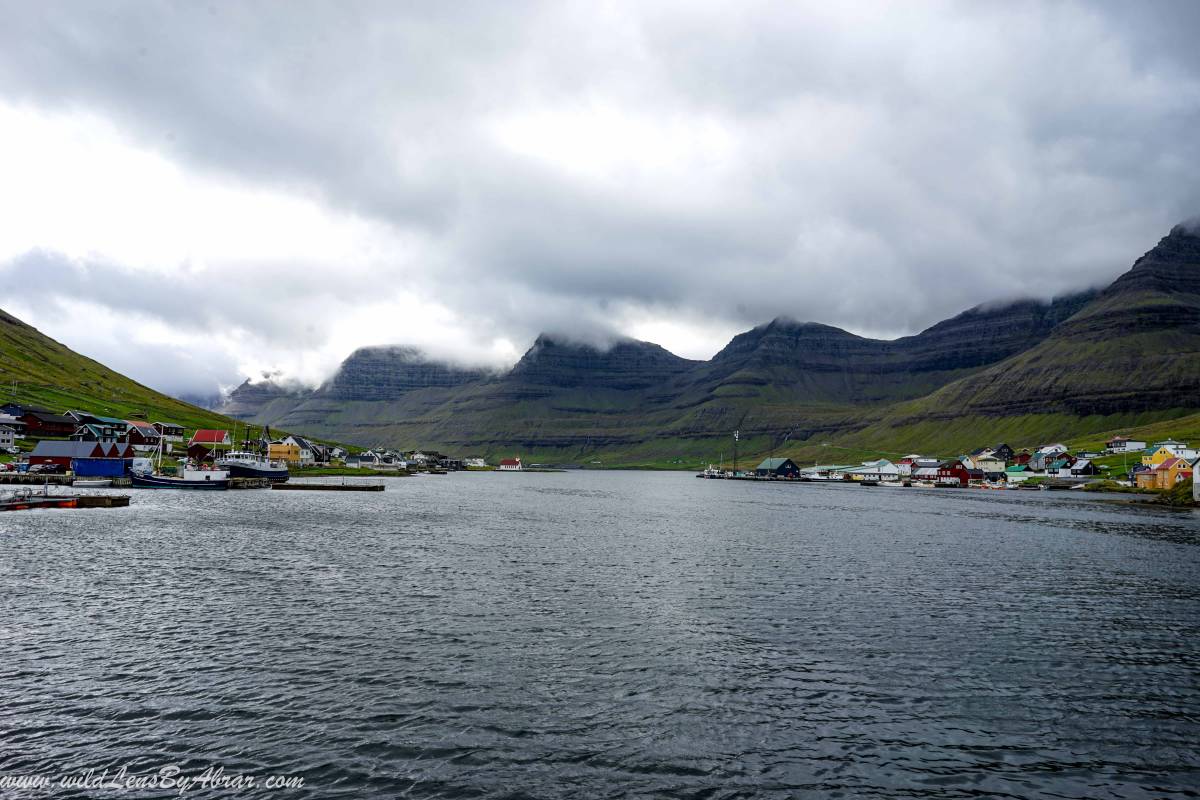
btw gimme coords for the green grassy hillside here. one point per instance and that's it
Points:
(36, 370)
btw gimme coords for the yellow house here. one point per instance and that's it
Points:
(1172, 472)
(1156, 457)
(1165, 474)
(278, 451)
(1161, 451)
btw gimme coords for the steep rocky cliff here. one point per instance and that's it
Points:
(1135, 347)
(626, 365)
(385, 373)
(826, 364)
(249, 400)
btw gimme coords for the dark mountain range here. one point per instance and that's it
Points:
(1135, 347)
(1081, 360)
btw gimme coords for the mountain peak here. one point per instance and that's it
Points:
(623, 363)
(1172, 265)
(384, 372)
(1189, 228)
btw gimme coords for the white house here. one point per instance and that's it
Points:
(15, 424)
(990, 463)
(305, 447)
(1120, 444)
(8, 437)
(474, 462)
(929, 474)
(881, 470)
(509, 465)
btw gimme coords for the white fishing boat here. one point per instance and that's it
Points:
(247, 464)
(92, 483)
(207, 479)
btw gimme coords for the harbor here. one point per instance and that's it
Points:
(810, 606)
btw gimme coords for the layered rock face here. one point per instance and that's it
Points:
(828, 364)
(1135, 347)
(249, 400)
(385, 373)
(627, 365)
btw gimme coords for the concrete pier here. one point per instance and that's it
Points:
(330, 487)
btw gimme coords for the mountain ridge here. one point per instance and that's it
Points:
(1068, 359)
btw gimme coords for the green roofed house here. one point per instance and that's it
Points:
(1017, 473)
(777, 468)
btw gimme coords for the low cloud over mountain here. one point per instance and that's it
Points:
(258, 187)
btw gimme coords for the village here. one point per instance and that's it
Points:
(1125, 462)
(78, 443)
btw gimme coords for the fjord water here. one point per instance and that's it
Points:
(594, 634)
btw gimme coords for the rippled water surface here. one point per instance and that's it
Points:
(609, 634)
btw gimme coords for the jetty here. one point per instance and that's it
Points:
(251, 483)
(329, 487)
(102, 501)
(36, 479)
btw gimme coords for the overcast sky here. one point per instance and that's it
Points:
(196, 192)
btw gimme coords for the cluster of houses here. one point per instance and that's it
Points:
(88, 444)
(385, 459)
(1165, 464)
(207, 445)
(1160, 465)
(93, 444)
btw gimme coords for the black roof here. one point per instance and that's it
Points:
(47, 416)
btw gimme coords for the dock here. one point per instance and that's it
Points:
(250, 483)
(330, 487)
(102, 501)
(36, 479)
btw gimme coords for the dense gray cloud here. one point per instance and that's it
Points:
(569, 166)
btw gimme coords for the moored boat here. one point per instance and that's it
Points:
(92, 483)
(205, 479)
(247, 464)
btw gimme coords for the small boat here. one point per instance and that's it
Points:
(92, 483)
(892, 483)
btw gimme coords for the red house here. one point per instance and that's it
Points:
(211, 439)
(63, 453)
(44, 423)
(142, 434)
(953, 473)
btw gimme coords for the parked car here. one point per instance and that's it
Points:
(47, 469)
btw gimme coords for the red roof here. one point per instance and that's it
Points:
(510, 462)
(210, 437)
